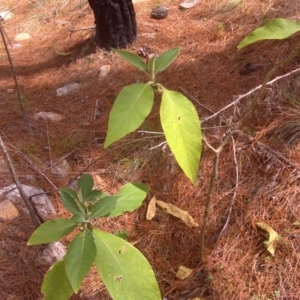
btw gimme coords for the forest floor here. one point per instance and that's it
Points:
(259, 170)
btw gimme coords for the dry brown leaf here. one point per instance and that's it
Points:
(273, 236)
(151, 211)
(183, 272)
(173, 210)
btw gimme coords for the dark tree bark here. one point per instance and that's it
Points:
(115, 22)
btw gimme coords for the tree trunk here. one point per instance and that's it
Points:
(115, 22)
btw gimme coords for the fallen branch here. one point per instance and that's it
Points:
(239, 98)
(15, 79)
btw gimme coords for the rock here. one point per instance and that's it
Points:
(151, 35)
(42, 202)
(22, 37)
(52, 253)
(8, 211)
(61, 169)
(67, 89)
(10, 91)
(16, 46)
(159, 12)
(104, 70)
(3, 165)
(5, 15)
(47, 116)
(188, 4)
(30, 178)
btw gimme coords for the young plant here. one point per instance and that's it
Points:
(178, 116)
(123, 269)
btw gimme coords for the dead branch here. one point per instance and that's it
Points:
(239, 98)
(15, 79)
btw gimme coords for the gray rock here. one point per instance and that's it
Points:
(22, 37)
(104, 70)
(47, 116)
(5, 15)
(188, 4)
(159, 12)
(52, 253)
(42, 202)
(67, 89)
(61, 169)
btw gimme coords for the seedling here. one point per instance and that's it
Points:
(122, 268)
(178, 116)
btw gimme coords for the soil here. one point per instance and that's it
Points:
(259, 170)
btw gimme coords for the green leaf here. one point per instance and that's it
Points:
(133, 59)
(125, 272)
(165, 59)
(56, 284)
(69, 199)
(276, 29)
(51, 231)
(85, 185)
(129, 111)
(79, 218)
(79, 258)
(103, 207)
(130, 197)
(94, 196)
(181, 126)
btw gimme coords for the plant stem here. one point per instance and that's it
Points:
(226, 140)
(213, 178)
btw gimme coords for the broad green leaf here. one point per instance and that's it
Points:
(51, 231)
(182, 129)
(94, 196)
(69, 199)
(133, 59)
(130, 197)
(79, 258)
(56, 284)
(79, 218)
(85, 185)
(129, 111)
(103, 207)
(165, 59)
(126, 273)
(276, 29)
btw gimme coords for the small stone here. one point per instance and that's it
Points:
(30, 178)
(22, 37)
(159, 12)
(52, 253)
(151, 35)
(104, 70)
(8, 211)
(188, 4)
(5, 15)
(10, 91)
(62, 169)
(47, 116)
(67, 89)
